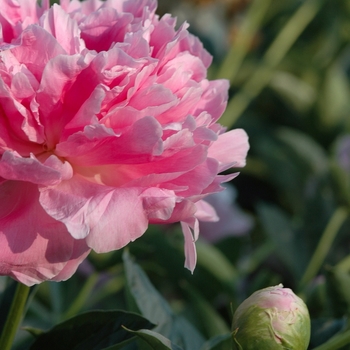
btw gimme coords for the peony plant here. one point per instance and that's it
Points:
(107, 123)
(272, 318)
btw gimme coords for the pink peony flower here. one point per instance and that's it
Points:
(107, 124)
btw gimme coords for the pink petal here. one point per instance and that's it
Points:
(30, 52)
(190, 247)
(59, 24)
(185, 64)
(98, 213)
(198, 178)
(21, 123)
(104, 27)
(230, 148)
(64, 168)
(214, 98)
(158, 203)
(98, 145)
(215, 186)
(14, 167)
(181, 110)
(183, 211)
(153, 100)
(206, 212)
(33, 246)
(21, 86)
(79, 252)
(64, 70)
(138, 7)
(17, 15)
(8, 141)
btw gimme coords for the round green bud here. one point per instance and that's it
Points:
(273, 318)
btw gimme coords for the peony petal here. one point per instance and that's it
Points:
(30, 52)
(22, 123)
(98, 145)
(21, 86)
(14, 167)
(153, 100)
(184, 210)
(33, 246)
(214, 98)
(190, 247)
(66, 31)
(79, 252)
(8, 141)
(230, 148)
(97, 35)
(158, 203)
(63, 167)
(64, 71)
(206, 212)
(198, 178)
(98, 213)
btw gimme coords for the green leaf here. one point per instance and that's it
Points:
(92, 330)
(155, 340)
(151, 305)
(35, 332)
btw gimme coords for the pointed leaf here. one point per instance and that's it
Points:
(35, 332)
(92, 330)
(155, 340)
(151, 305)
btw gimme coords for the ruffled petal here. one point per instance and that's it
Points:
(230, 149)
(108, 218)
(98, 145)
(15, 167)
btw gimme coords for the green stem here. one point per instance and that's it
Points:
(84, 294)
(272, 57)
(324, 245)
(14, 317)
(336, 342)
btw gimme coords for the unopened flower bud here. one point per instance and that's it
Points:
(273, 318)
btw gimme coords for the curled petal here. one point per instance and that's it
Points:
(230, 149)
(14, 167)
(190, 247)
(158, 203)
